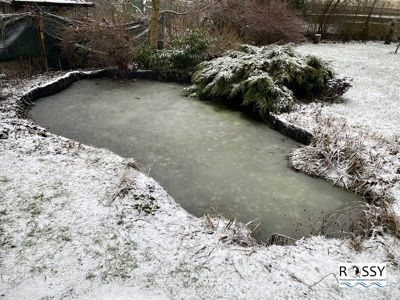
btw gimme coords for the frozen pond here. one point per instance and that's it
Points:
(205, 155)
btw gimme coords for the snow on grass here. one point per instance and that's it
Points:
(372, 103)
(81, 223)
(369, 114)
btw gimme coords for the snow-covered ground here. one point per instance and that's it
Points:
(369, 116)
(82, 223)
(373, 102)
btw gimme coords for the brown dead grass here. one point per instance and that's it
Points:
(357, 160)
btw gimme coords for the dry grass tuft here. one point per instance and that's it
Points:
(357, 160)
(359, 221)
(23, 68)
(232, 231)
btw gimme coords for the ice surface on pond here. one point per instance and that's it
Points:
(203, 154)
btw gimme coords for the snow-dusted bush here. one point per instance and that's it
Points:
(336, 87)
(268, 79)
(186, 52)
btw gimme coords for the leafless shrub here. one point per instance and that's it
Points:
(259, 22)
(233, 22)
(179, 16)
(176, 17)
(103, 40)
(225, 39)
(270, 22)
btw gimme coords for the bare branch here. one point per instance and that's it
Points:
(185, 12)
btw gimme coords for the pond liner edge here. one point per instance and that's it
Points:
(65, 81)
(138, 74)
(59, 84)
(296, 133)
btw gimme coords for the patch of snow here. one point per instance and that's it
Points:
(372, 103)
(78, 222)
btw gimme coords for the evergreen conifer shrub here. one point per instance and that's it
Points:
(268, 79)
(180, 61)
(186, 52)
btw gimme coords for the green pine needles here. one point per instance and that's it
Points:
(179, 61)
(268, 79)
(183, 57)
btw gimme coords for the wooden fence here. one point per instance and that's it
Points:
(347, 21)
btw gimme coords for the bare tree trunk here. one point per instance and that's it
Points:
(155, 15)
(43, 42)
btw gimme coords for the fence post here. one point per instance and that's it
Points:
(317, 38)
